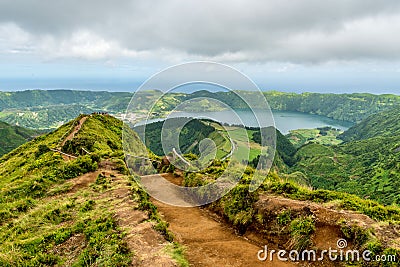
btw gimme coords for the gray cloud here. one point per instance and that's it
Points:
(301, 31)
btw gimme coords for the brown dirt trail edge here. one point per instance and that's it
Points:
(209, 242)
(76, 129)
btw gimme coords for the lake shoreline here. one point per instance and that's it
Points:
(284, 121)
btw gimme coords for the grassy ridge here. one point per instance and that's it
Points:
(44, 223)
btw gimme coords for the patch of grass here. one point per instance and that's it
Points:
(105, 244)
(358, 235)
(284, 217)
(29, 240)
(177, 252)
(301, 230)
(325, 136)
(344, 200)
(87, 206)
(59, 189)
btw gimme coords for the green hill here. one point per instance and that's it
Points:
(14, 136)
(46, 98)
(189, 137)
(43, 109)
(366, 164)
(83, 209)
(284, 148)
(59, 210)
(383, 124)
(346, 107)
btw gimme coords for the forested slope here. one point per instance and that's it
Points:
(13, 136)
(367, 166)
(38, 108)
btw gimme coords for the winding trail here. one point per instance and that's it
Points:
(76, 130)
(71, 135)
(209, 241)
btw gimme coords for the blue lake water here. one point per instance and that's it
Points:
(284, 120)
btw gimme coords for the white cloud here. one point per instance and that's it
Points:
(304, 31)
(14, 40)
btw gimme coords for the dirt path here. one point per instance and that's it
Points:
(208, 241)
(64, 155)
(148, 246)
(76, 129)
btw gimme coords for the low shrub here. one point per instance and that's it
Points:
(284, 217)
(301, 230)
(358, 235)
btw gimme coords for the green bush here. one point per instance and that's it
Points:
(77, 167)
(57, 216)
(95, 157)
(301, 230)
(284, 217)
(120, 166)
(41, 150)
(238, 206)
(358, 235)
(87, 206)
(75, 145)
(162, 227)
(61, 235)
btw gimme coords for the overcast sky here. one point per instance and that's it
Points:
(288, 45)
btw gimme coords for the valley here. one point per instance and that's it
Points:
(12, 136)
(68, 199)
(200, 133)
(41, 109)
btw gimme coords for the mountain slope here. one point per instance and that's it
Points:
(80, 209)
(383, 124)
(366, 165)
(14, 136)
(38, 108)
(45, 98)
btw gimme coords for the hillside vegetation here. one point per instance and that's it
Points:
(13, 136)
(51, 109)
(346, 107)
(45, 98)
(56, 210)
(189, 137)
(367, 164)
(383, 124)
